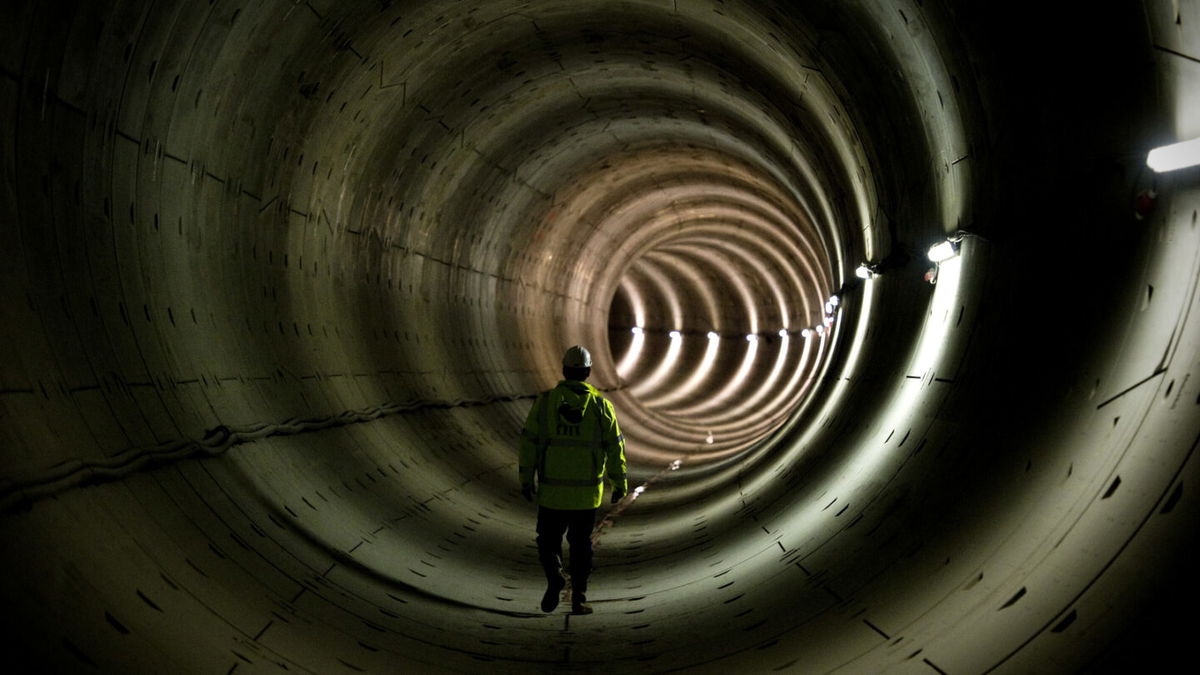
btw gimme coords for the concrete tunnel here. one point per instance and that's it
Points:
(281, 279)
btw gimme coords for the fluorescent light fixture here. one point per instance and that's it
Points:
(674, 335)
(943, 251)
(864, 272)
(1175, 156)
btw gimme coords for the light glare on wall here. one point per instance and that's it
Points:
(635, 349)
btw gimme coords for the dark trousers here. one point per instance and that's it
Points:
(577, 524)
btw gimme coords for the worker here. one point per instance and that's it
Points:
(570, 442)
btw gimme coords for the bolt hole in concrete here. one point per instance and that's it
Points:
(317, 472)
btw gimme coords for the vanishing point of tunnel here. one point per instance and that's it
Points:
(281, 279)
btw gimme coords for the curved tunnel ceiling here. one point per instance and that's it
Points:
(282, 278)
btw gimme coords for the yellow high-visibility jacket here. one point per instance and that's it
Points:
(571, 440)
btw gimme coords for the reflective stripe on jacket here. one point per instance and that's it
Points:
(570, 442)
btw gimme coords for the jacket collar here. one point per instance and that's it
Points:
(577, 386)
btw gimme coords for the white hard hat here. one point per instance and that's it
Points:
(577, 357)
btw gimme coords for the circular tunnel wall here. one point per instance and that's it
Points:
(283, 280)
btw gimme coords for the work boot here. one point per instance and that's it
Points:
(579, 604)
(553, 589)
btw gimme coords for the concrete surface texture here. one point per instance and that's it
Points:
(281, 279)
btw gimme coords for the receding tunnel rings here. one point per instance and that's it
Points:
(706, 318)
(693, 241)
(705, 383)
(697, 230)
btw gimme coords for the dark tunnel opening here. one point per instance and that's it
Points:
(283, 279)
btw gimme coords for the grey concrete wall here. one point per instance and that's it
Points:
(281, 279)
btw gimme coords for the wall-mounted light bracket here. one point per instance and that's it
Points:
(867, 270)
(944, 250)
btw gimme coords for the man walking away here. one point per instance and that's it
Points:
(570, 442)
